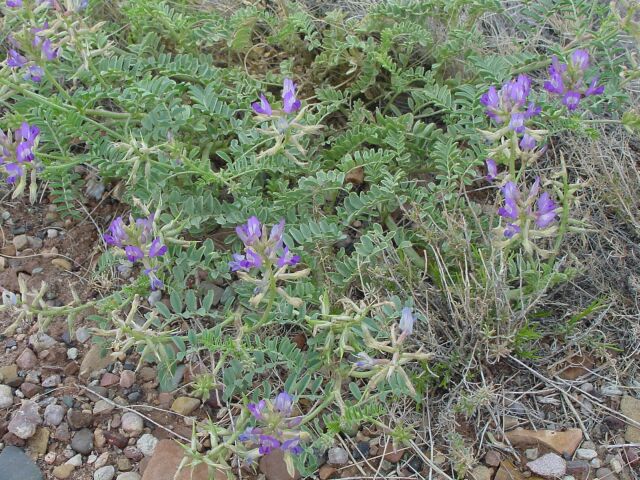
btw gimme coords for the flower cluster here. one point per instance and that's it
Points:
(138, 242)
(568, 80)
(16, 153)
(40, 48)
(277, 427)
(527, 216)
(509, 105)
(285, 129)
(75, 5)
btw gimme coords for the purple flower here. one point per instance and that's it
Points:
(492, 169)
(15, 60)
(117, 234)
(14, 171)
(292, 445)
(594, 88)
(571, 100)
(288, 258)
(48, 51)
(364, 361)
(34, 73)
(283, 403)
(511, 230)
(156, 283)
(580, 60)
(527, 142)
(157, 249)
(256, 409)
(263, 107)
(290, 103)
(277, 232)
(267, 444)
(245, 262)
(545, 213)
(509, 103)
(133, 253)
(145, 227)
(14, 3)
(28, 133)
(406, 321)
(250, 232)
(511, 197)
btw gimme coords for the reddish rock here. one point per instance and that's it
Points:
(579, 469)
(27, 360)
(78, 419)
(109, 380)
(116, 439)
(561, 442)
(492, 458)
(394, 456)
(165, 400)
(127, 379)
(11, 439)
(30, 390)
(632, 456)
(326, 471)
(274, 468)
(166, 460)
(62, 433)
(133, 453)
(71, 368)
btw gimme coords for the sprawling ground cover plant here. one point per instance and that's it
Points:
(381, 188)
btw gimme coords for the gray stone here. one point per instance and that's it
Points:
(104, 473)
(549, 466)
(586, 454)
(41, 341)
(132, 423)
(24, 422)
(72, 353)
(20, 242)
(129, 476)
(14, 464)
(6, 396)
(337, 456)
(147, 444)
(54, 414)
(82, 335)
(82, 441)
(102, 407)
(51, 381)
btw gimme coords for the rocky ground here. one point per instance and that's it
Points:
(68, 412)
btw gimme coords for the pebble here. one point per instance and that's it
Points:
(579, 469)
(15, 464)
(72, 353)
(102, 460)
(104, 473)
(20, 242)
(76, 460)
(41, 341)
(550, 465)
(82, 335)
(129, 476)
(109, 380)
(361, 451)
(61, 263)
(124, 464)
(133, 453)
(185, 405)
(51, 381)
(50, 458)
(337, 456)
(616, 465)
(78, 419)
(52, 233)
(481, 472)
(147, 444)
(605, 474)
(132, 423)
(63, 471)
(6, 396)
(630, 407)
(26, 360)
(492, 458)
(82, 441)
(596, 463)
(127, 379)
(611, 390)
(274, 467)
(531, 453)
(586, 454)
(24, 422)
(102, 407)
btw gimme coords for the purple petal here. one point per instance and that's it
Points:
(263, 107)
(492, 169)
(157, 249)
(283, 403)
(571, 100)
(580, 59)
(256, 409)
(406, 321)
(528, 142)
(14, 171)
(511, 230)
(133, 253)
(15, 60)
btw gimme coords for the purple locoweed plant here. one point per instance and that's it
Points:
(17, 157)
(510, 105)
(277, 429)
(137, 242)
(286, 127)
(567, 80)
(37, 49)
(265, 260)
(527, 218)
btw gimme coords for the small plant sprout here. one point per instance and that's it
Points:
(567, 80)
(527, 218)
(286, 129)
(377, 369)
(276, 429)
(138, 243)
(265, 261)
(18, 159)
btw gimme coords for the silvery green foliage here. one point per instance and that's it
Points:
(374, 173)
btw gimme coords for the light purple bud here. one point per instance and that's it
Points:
(256, 409)
(511, 230)
(511, 196)
(594, 88)
(517, 122)
(571, 100)
(15, 60)
(157, 249)
(292, 446)
(250, 232)
(492, 169)
(580, 59)
(283, 403)
(34, 73)
(527, 142)
(288, 258)
(267, 444)
(14, 3)
(406, 321)
(277, 232)
(133, 253)
(14, 171)
(290, 103)
(263, 107)
(546, 211)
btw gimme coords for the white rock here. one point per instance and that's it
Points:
(6, 396)
(132, 423)
(147, 444)
(72, 353)
(82, 335)
(104, 473)
(128, 476)
(586, 454)
(76, 460)
(102, 406)
(611, 390)
(52, 233)
(54, 414)
(102, 460)
(50, 458)
(549, 466)
(616, 465)
(91, 459)
(338, 456)
(596, 463)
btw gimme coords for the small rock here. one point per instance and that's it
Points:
(508, 471)
(361, 451)
(116, 439)
(75, 461)
(595, 463)
(99, 440)
(481, 472)
(132, 423)
(41, 341)
(9, 374)
(148, 374)
(54, 414)
(337, 456)
(35, 242)
(104, 473)
(616, 465)
(26, 360)
(20, 242)
(561, 442)
(185, 405)
(109, 380)
(51, 381)
(133, 453)
(531, 453)
(549, 466)
(72, 353)
(102, 460)
(82, 441)
(63, 471)
(394, 456)
(39, 442)
(611, 390)
(586, 454)
(50, 458)
(274, 467)
(52, 233)
(82, 335)
(168, 457)
(91, 459)
(630, 407)
(147, 444)
(24, 422)
(492, 458)
(605, 474)
(102, 407)
(127, 379)
(30, 390)
(62, 433)
(124, 464)
(128, 476)
(61, 263)
(93, 361)
(78, 419)
(14, 464)
(632, 456)
(326, 471)
(6, 396)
